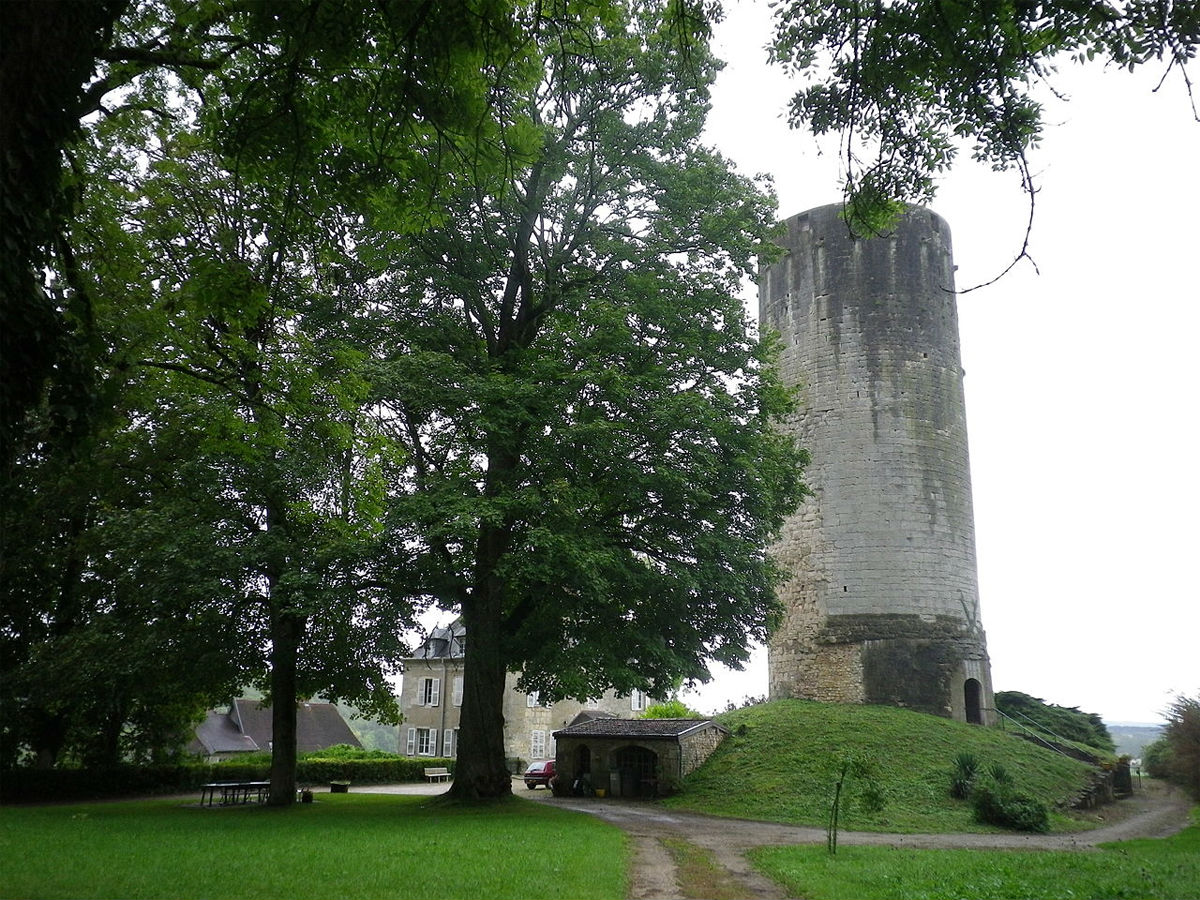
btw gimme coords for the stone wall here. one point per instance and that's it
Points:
(698, 746)
(881, 598)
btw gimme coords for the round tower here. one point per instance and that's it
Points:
(881, 598)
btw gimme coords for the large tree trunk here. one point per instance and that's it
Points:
(286, 629)
(481, 771)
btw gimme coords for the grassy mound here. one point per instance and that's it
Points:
(781, 761)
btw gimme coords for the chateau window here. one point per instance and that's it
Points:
(428, 691)
(426, 742)
(637, 700)
(422, 741)
(537, 745)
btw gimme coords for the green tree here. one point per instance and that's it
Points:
(111, 640)
(906, 84)
(1061, 722)
(594, 473)
(860, 772)
(1181, 760)
(671, 709)
(264, 367)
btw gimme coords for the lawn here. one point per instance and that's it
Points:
(342, 846)
(1164, 869)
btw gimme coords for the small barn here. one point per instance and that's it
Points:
(632, 757)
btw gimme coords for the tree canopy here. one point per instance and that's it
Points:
(378, 307)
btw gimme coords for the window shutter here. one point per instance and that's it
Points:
(458, 690)
(531, 700)
(435, 691)
(412, 741)
(448, 743)
(433, 741)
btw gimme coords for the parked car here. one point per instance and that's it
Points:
(540, 773)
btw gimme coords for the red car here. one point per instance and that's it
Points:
(540, 773)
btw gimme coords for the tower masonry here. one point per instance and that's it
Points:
(881, 597)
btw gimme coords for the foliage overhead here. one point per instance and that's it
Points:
(907, 84)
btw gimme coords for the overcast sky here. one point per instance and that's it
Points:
(1080, 380)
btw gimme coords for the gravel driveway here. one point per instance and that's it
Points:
(1154, 811)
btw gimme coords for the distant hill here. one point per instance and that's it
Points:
(1131, 740)
(780, 762)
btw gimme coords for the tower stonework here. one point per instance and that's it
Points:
(881, 597)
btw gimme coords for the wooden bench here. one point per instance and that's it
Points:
(437, 773)
(234, 792)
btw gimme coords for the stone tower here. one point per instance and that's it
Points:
(882, 597)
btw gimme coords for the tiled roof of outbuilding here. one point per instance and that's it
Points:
(642, 729)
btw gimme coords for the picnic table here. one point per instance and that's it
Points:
(234, 792)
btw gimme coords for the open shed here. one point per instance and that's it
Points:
(632, 757)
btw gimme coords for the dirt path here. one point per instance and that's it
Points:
(1153, 812)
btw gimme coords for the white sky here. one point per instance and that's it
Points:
(1080, 379)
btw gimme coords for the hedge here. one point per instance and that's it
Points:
(26, 785)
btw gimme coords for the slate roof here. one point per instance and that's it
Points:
(218, 734)
(641, 729)
(247, 728)
(588, 715)
(448, 642)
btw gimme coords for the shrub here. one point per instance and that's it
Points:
(999, 774)
(963, 775)
(996, 803)
(345, 751)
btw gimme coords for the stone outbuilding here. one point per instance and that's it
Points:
(632, 757)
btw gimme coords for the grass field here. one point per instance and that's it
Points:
(343, 846)
(779, 765)
(1164, 869)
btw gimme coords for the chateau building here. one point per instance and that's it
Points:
(431, 701)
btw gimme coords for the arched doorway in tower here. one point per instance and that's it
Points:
(973, 701)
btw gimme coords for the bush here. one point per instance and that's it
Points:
(997, 803)
(963, 775)
(345, 751)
